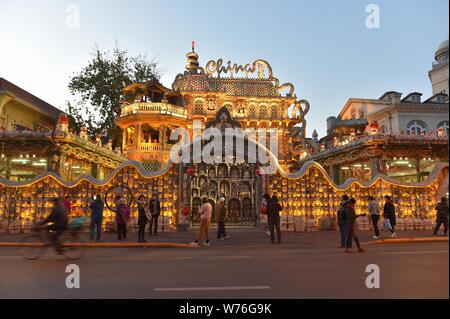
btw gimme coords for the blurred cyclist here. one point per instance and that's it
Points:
(59, 220)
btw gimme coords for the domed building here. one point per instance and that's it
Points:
(439, 72)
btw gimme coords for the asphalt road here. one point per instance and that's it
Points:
(235, 269)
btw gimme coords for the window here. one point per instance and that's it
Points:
(415, 98)
(198, 107)
(416, 127)
(262, 110)
(441, 99)
(274, 111)
(252, 110)
(443, 125)
(229, 107)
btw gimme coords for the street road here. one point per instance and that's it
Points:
(244, 266)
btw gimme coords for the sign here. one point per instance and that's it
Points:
(260, 68)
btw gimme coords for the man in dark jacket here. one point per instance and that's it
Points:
(350, 226)
(389, 214)
(220, 214)
(155, 210)
(442, 216)
(341, 220)
(58, 217)
(273, 217)
(96, 216)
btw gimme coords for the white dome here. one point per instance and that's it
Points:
(443, 47)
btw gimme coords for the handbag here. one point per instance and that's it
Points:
(147, 213)
(387, 224)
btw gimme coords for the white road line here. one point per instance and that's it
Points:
(213, 257)
(415, 252)
(214, 288)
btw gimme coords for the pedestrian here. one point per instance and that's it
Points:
(350, 226)
(220, 214)
(155, 209)
(441, 216)
(142, 218)
(96, 207)
(122, 217)
(273, 217)
(374, 211)
(67, 205)
(389, 214)
(204, 230)
(263, 211)
(341, 220)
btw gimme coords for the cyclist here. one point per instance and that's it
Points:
(58, 217)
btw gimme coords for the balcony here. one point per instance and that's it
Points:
(152, 147)
(154, 108)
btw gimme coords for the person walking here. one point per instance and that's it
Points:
(204, 230)
(155, 210)
(350, 226)
(142, 218)
(341, 220)
(96, 207)
(273, 217)
(374, 211)
(264, 202)
(220, 213)
(389, 214)
(441, 216)
(122, 217)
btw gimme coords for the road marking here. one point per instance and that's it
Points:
(214, 288)
(213, 257)
(416, 252)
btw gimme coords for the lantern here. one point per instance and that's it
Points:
(374, 128)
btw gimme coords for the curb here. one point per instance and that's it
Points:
(407, 240)
(115, 245)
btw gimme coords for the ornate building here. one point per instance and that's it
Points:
(35, 138)
(216, 95)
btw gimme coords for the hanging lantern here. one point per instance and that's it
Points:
(374, 128)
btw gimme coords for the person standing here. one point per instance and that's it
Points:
(96, 207)
(155, 210)
(204, 230)
(265, 201)
(441, 216)
(341, 220)
(273, 217)
(67, 205)
(350, 226)
(389, 214)
(142, 218)
(122, 217)
(220, 214)
(374, 211)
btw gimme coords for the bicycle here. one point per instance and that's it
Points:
(33, 246)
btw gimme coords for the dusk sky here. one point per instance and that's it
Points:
(323, 47)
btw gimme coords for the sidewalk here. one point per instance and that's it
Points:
(244, 237)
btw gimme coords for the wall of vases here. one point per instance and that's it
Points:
(310, 199)
(23, 204)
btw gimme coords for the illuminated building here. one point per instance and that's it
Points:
(35, 138)
(220, 94)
